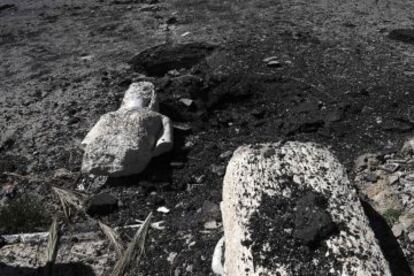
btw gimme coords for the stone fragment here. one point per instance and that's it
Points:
(124, 141)
(283, 214)
(397, 229)
(163, 210)
(62, 173)
(268, 59)
(226, 154)
(186, 102)
(393, 179)
(411, 236)
(390, 167)
(211, 225)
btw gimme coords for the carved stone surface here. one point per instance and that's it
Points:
(289, 209)
(124, 141)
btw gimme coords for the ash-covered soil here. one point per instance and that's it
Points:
(336, 78)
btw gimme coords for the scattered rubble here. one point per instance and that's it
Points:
(391, 193)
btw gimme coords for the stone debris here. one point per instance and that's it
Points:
(124, 141)
(289, 209)
(392, 195)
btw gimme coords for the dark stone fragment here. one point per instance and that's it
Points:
(313, 224)
(101, 204)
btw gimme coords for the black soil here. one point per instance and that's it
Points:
(295, 229)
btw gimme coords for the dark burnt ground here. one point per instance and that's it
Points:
(341, 81)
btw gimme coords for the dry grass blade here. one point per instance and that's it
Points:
(134, 251)
(69, 198)
(113, 237)
(52, 247)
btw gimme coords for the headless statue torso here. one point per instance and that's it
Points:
(124, 141)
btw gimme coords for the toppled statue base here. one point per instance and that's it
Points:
(289, 209)
(123, 142)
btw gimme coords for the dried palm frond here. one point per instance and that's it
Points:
(70, 199)
(134, 251)
(52, 247)
(113, 238)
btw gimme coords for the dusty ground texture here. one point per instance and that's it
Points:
(339, 81)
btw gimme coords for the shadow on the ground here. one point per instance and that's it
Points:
(70, 269)
(388, 243)
(159, 170)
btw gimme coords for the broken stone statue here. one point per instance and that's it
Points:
(123, 142)
(289, 209)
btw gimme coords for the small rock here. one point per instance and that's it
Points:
(173, 73)
(371, 177)
(62, 173)
(410, 236)
(398, 229)
(101, 204)
(268, 59)
(87, 57)
(186, 102)
(171, 257)
(365, 161)
(390, 167)
(163, 210)
(200, 179)
(393, 179)
(218, 169)
(182, 126)
(9, 190)
(274, 63)
(226, 154)
(211, 225)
